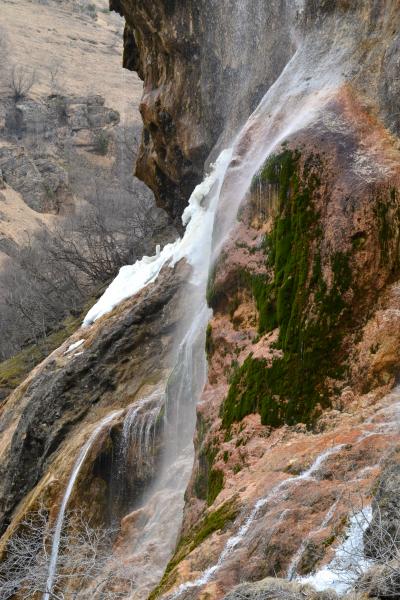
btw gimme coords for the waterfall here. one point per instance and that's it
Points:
(70, 486)
(294, 563)
(349, 562)
(163, 501)
(234, 541)
(300, 96)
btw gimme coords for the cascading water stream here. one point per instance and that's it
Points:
(234, 541)
(163, 501)
(136, 454)
(70, 486)
(294, 563)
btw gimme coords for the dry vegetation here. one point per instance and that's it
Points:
(85, 566)
(108, 219)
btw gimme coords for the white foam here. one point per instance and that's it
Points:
(234, 541)
(198, 220)
(73, 346)
(349, 561)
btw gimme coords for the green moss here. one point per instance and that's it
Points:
(296, 299)
(382, 213)
(213, 294)
(215, 485)
(14, 370)
(209, 481)
(209, 341)
(358, 240)
(388, 218)
(212, 522)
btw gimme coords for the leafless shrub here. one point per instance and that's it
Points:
(368, 559)
(22, 79)
(54, 69)
(86, 567)
(55, 272)
(101, 142)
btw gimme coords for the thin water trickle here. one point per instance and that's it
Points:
(70, 486)
(234, 541)
(137, 453)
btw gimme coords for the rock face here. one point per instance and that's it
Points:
(120, 357)
(36, 170)
(205, 66)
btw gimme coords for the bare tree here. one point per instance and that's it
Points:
(368, 559)
(86, 566)
(22, 79)
(54, 69)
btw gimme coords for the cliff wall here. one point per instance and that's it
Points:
(302, 346)
(205, 66)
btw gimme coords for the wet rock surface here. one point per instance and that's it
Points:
(121, 354)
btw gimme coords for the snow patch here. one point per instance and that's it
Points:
(73, 346)
(192, 246)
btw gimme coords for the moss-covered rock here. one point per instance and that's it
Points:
(209, 480)
(311, 315)
(212, 522)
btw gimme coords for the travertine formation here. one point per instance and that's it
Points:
(298, 420)
(303, 342)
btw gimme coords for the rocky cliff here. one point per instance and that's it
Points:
(197, 62)
(297, 435)
(303, 343)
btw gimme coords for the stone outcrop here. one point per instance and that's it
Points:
(42, 421)
(33, 162)
(205, 66)
(38, 176)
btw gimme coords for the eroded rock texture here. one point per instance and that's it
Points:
(45, 421)
(205, 66)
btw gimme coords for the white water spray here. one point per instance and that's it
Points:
(194, 246)
(70, 486)
(162, 504)
(294, 563)
(349, 562)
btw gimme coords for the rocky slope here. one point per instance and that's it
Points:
(45, 420)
